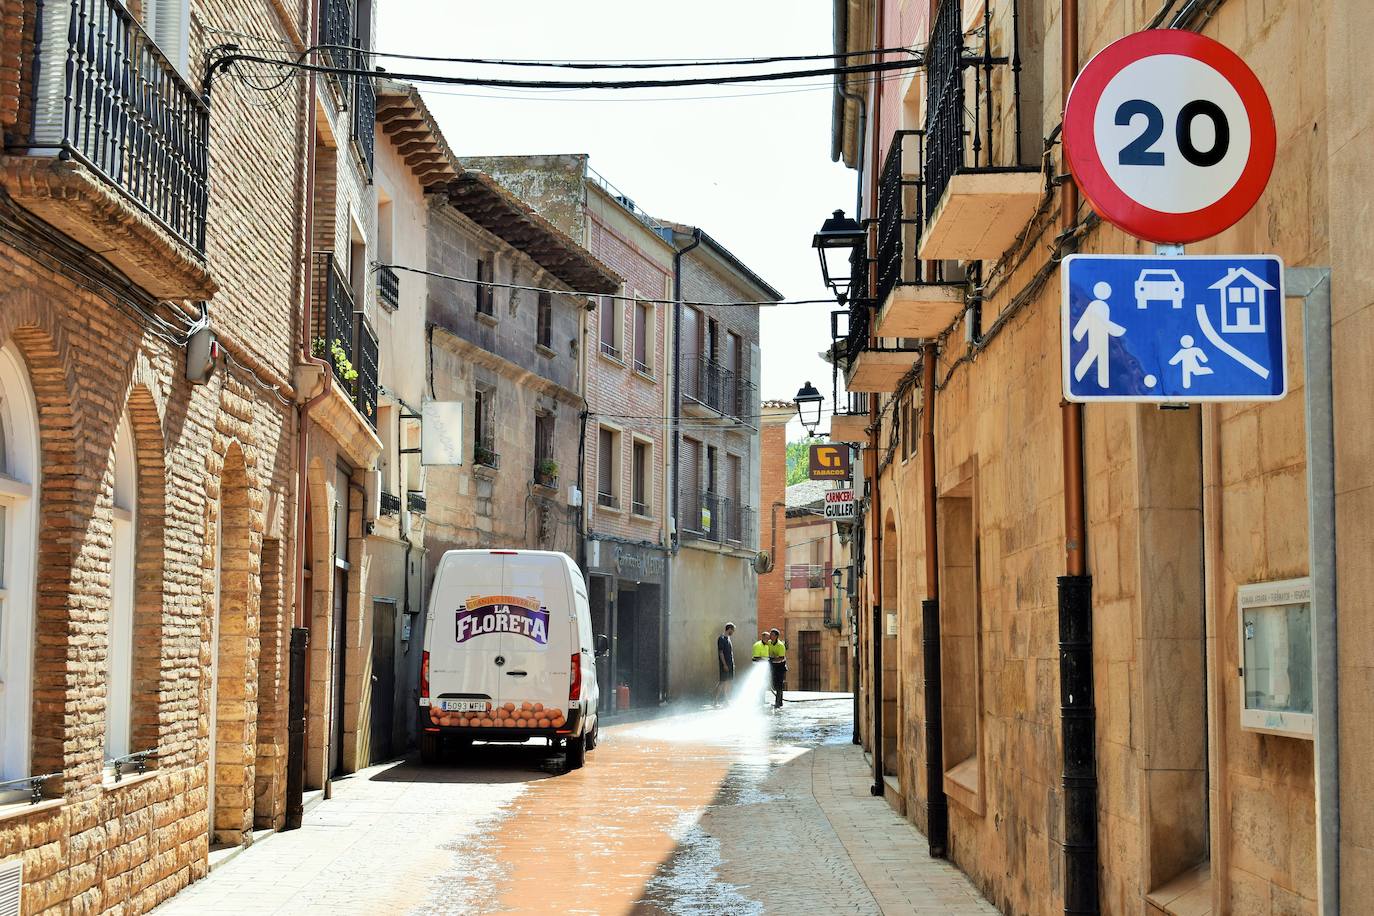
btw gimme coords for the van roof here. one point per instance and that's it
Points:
(519, 551)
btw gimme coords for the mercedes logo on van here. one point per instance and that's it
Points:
(500, 660)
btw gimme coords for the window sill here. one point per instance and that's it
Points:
(109, 784)
(613, 510)
(483, 470)
(613, 360)
(641, 517)
(15, 810)
(651, 379)
(961, 784)
(546, 352)
(490, 321)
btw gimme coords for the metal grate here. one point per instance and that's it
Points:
(390, 503)
(332, 319)
(901, 216)
(364, 119)
(944, 102)
(609, 500)
(365, 386)
(108, 98)
(336, 33)
(11, 886)
(388, 288)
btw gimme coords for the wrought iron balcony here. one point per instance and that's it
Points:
(708, 516)
(365, 386)
(364, 118)
(390, 503)
(107, 97)
(607, 500)
(416, 502)
(543, 477)
(388, 288)
(337, 22)
(973, 173)
(343, 337)
(708, 384)
(484, 453)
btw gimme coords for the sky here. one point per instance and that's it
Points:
(748, 164)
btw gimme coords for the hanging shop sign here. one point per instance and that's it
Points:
(1169, 135)
(839, 504)
(829, 462)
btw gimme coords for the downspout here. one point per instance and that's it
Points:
(677, 378)
(937, 807)
(841, 18)
(582, 487)
(300, 636)
(876, 623)
(1078, 717)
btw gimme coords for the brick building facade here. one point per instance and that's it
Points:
(147, 520)
(772, 596)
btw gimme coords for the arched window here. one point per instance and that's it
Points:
(19, 480)
(119, 672)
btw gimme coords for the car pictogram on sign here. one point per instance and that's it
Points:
(1158, 286)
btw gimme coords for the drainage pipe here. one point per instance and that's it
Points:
(675, 495)
(1314, 286)
(1077, 716)
(937, 807)
(296, 704)
(876, 624)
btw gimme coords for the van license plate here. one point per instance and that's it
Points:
(463, 705)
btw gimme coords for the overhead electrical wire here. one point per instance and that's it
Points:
(666, 63)
(746, 303)
(227, 55)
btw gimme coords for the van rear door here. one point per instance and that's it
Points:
(463, 657)
(538, 653)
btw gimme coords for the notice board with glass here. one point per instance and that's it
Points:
(1276, 657)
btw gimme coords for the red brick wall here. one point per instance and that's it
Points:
(622, 397)
(773, 489)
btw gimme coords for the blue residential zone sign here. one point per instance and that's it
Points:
(1173, 329)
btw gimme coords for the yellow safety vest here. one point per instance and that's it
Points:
(777, 649)
(760, 649)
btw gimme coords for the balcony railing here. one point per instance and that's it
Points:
(961, 118)
(607, 500)
(108, 98)
(901, 216)
(364, 118)
(337, 21)
(342, 336)
(807, 575)
(365, 386)
(708, 516)
(718, 388)
(388, 288)
(484, 453)
(547, 479)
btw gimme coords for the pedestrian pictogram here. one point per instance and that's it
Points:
(1170, 136)
(1217, 336)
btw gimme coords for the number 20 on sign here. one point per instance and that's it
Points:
(1169, 135)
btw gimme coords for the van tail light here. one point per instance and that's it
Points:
(575, 687)
(424, 675)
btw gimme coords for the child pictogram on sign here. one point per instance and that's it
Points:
(1190, 359)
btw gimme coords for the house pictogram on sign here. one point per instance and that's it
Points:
(1242, 301)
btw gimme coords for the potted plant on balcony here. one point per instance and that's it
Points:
(343, 366)
(546, 473)
(484, 455)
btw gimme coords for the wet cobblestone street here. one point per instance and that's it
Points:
(738, 811)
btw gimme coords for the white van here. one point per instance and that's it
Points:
(509, 653)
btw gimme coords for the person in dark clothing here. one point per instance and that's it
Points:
(777, 660)
(725, 655)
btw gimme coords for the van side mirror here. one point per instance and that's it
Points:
(603, 646)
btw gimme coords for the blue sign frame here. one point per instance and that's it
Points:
(1185, 329)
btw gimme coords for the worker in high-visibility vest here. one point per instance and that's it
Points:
(777, 661)
(761, 648)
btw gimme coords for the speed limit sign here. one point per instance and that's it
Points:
(1169, 135)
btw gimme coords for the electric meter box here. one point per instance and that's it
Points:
(1276, 657)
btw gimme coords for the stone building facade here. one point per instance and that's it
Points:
(714, 455)
(816, 622)
(623, 478)
(147, 520)
(1145, 792)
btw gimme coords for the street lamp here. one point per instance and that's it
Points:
(808, 401)
(835, 244)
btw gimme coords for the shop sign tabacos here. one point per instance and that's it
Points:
(482, 615)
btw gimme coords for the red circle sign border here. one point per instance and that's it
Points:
(1106, 196)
